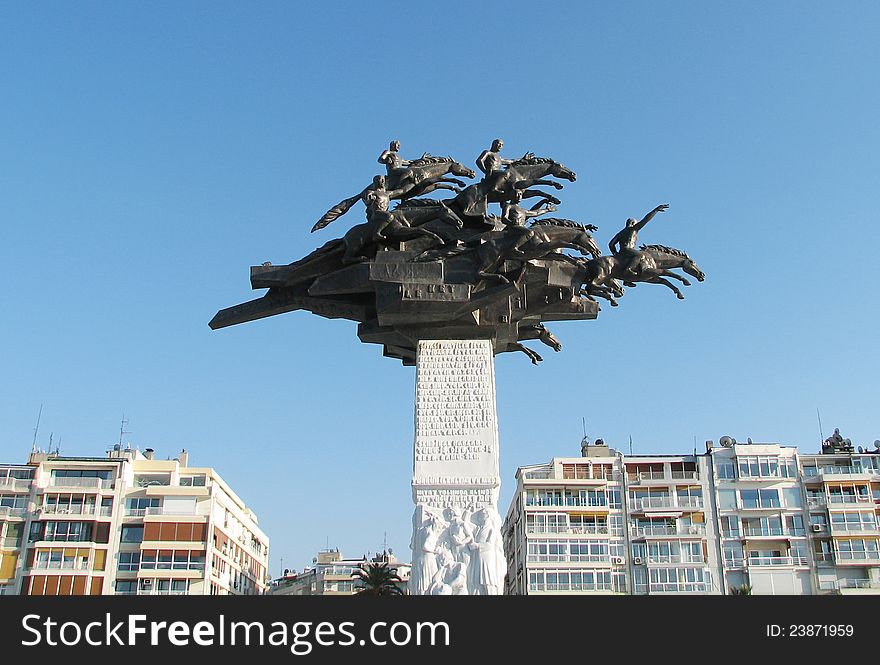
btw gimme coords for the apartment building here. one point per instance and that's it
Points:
(331, 575)
(739, 516)
(127, 524)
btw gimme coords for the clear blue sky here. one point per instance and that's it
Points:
(152, 152)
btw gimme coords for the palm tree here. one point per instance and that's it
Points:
(744, 590)
(377, 579)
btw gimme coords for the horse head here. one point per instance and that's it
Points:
(589, 245)
(461, 170)
(691, 268)
(561, 171)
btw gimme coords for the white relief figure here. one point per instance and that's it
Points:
(489, 563)
(425, 545)
(450, 578)
(460, 536)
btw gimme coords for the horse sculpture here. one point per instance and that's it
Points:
(656, 264)
(549, 235)
(498, 187)
(539, 332)
(402, 223)
(422, 176)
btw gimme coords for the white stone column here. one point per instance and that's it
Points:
(457, 544)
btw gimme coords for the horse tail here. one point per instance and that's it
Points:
(335, 212)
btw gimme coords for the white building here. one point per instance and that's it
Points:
(756, 516)
(128, 524)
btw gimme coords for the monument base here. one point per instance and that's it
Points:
(457, 544)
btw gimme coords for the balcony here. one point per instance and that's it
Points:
(734, 562)
(78, 511)
(161, 510)
(761, 561)
(15, 484)
(772, 532)
(9, 543)
(668, 530)
(851, 529)
(665, 503)
(677, 559)
(847, 473)
(82, 483)
(850, 500)
(860, 558)
(816, 501)
(83, 565)
(6, 511)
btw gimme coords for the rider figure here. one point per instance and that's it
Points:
(491, 163)
(393, 162)
(623, 245)
(515, 217)
(377, 199)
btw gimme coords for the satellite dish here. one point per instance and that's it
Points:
(860, 449)
(749, 439)
(727, 441)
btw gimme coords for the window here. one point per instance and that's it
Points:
(793, 497)
(141, 505)
(132, 533)
(152, 479)
(192, 481)
(730, 527)
(727, 499)
(129, 561)
(126, 587)
(725, 470)
(760, 498)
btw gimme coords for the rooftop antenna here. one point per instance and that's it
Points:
(821, 434)
(630, 445)
(695, 445)
(58, 447)
(122, 431)
(50, 442)
(37, 429)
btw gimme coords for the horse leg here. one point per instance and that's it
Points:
(533, 356)
(522, 184)
(666, 282)
(669, 273)
(531, 193)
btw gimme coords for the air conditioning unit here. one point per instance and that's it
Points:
(817, 528)
(617, 560)
(637, 560)
(146, 582)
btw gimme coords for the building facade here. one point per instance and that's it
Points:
(125, 524)
(757, 517)
(332, 575)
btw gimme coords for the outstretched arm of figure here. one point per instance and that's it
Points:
(614, 242)
(647, 218)
(481, 161)
(534, 212)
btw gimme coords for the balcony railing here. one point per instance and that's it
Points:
(857, 556)
(15, 484)
(102, 511)
(734, 562)
(777, 561)
(10, 542)
(82, 483)
(668, 530)
(6, 511)
(62, 565)
(162, 510)
(849, 499)
(857, 584)
(816, 501)
(675, 558)
(681, 587)
(863, 527)
(772, 531)
(163, 592)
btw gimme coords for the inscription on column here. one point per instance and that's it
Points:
(456, 440)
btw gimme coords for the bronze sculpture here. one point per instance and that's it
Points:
(449, 269)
